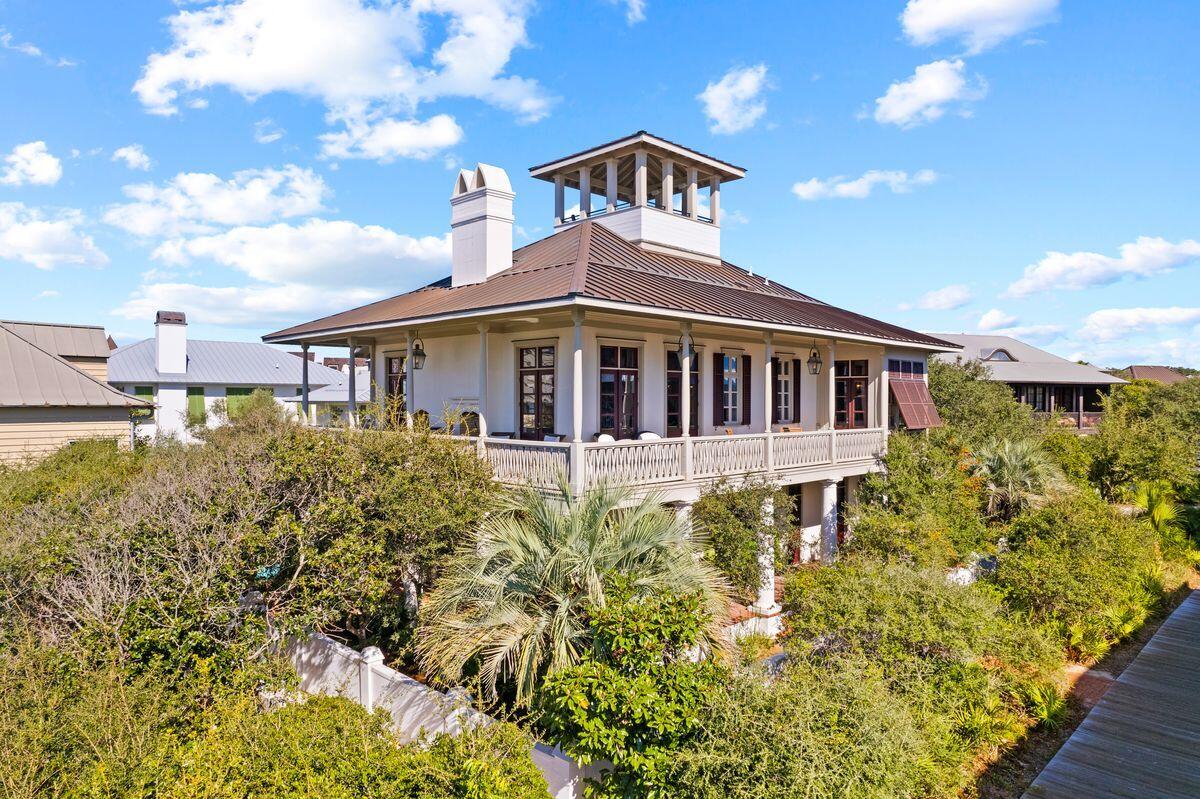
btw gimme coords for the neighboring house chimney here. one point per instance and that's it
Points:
(481, 220)
(170, 342)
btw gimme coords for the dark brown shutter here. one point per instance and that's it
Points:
(797, 365)
(746, 415)
(775, 391)
(718, 399)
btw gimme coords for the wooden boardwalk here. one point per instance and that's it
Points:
(1142, 740)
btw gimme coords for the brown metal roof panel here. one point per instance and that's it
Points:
(32, 377)
(66, 341)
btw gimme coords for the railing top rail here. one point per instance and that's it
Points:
(630, 442)
(521, 442)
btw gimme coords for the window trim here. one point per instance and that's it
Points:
(629, 344)
(698, 367)
(728, 357)
(538, 345)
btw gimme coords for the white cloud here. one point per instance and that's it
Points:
(46, 240)
(133, 156)
(735, 103)
(31, 163)
(8, 42)
(387, 139)
(48, 294)
(193, 202)
(996, 319)
(1145, 257)
(1036, 334)
(635, 11)
(317, 252)
(924, 96)
(943, 299)
(1180, 351)
(980, 24)
(266, 131)
(1114, 323)
(898, 181)
(364, 60)
(241, 305)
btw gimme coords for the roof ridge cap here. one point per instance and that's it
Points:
(583, 255)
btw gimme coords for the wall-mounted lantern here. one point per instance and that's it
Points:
(418, 354)
(814, 361)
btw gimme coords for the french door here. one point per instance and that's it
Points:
(850, 394)
(537, 392)
(619, 391)
(675, 396)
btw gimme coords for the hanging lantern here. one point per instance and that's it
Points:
(814, 361)
(418, 354)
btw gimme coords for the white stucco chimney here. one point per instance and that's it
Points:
(170, 342)
(481, 222)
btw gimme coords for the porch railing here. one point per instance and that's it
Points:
(664, 461)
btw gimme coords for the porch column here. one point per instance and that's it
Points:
(685, 397)
(559, 205)
(576, 478)
(829, 542)
(409, 394)
(352, 400)
(483, 383)
(683, 513)
(693, 177)
(639, 177)
(668, 184)
(610, 185)
(883, 413)
(831, 410)
(768, 397)
(765, 604)
(1079, 407)
(585, 192)
(304, 382)
(714, 199)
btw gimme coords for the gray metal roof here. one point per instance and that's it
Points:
(224, 363)
(1028, 364)
(31, 377)
(337, 393)
(65, 341)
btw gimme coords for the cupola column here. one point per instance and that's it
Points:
(639, 177)
(610, 185)
(668, 184)
(693, 176)
(585, 192)
(559, 192)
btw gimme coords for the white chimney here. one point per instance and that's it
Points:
(170, 342)
(481, 221)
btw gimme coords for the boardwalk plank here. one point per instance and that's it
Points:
(1142, 740)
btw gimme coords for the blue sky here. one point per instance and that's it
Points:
(953, 165)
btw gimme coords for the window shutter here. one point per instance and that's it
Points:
(797, 365)
(718, 375)
(745, 376)
(775, 391)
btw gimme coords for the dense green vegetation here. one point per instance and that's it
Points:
(142, 595)
(732, 523)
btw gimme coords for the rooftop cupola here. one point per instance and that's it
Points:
(653, 192)
(481, 223)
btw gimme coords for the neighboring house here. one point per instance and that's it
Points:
(1163, 374)
(184, 378)
(329, 405)
(1044, 381)
(52, 390)
(623, 349)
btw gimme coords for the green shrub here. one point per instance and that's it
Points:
(823, 728)
(636, 697)
(951, 653)
(1144, 435)
(732, 522)
(1074, 559)
(924, 507)
(976, 407)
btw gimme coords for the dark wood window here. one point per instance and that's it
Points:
(395, 377)
(619, 391)
(906, 369)
(850, 394)
(537, 392)
(675, 395)
(1037, 398)
(731, 389)
(1064, 398)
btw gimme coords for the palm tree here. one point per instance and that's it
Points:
(1016, 474)
(516, 593)
(1157, 500)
